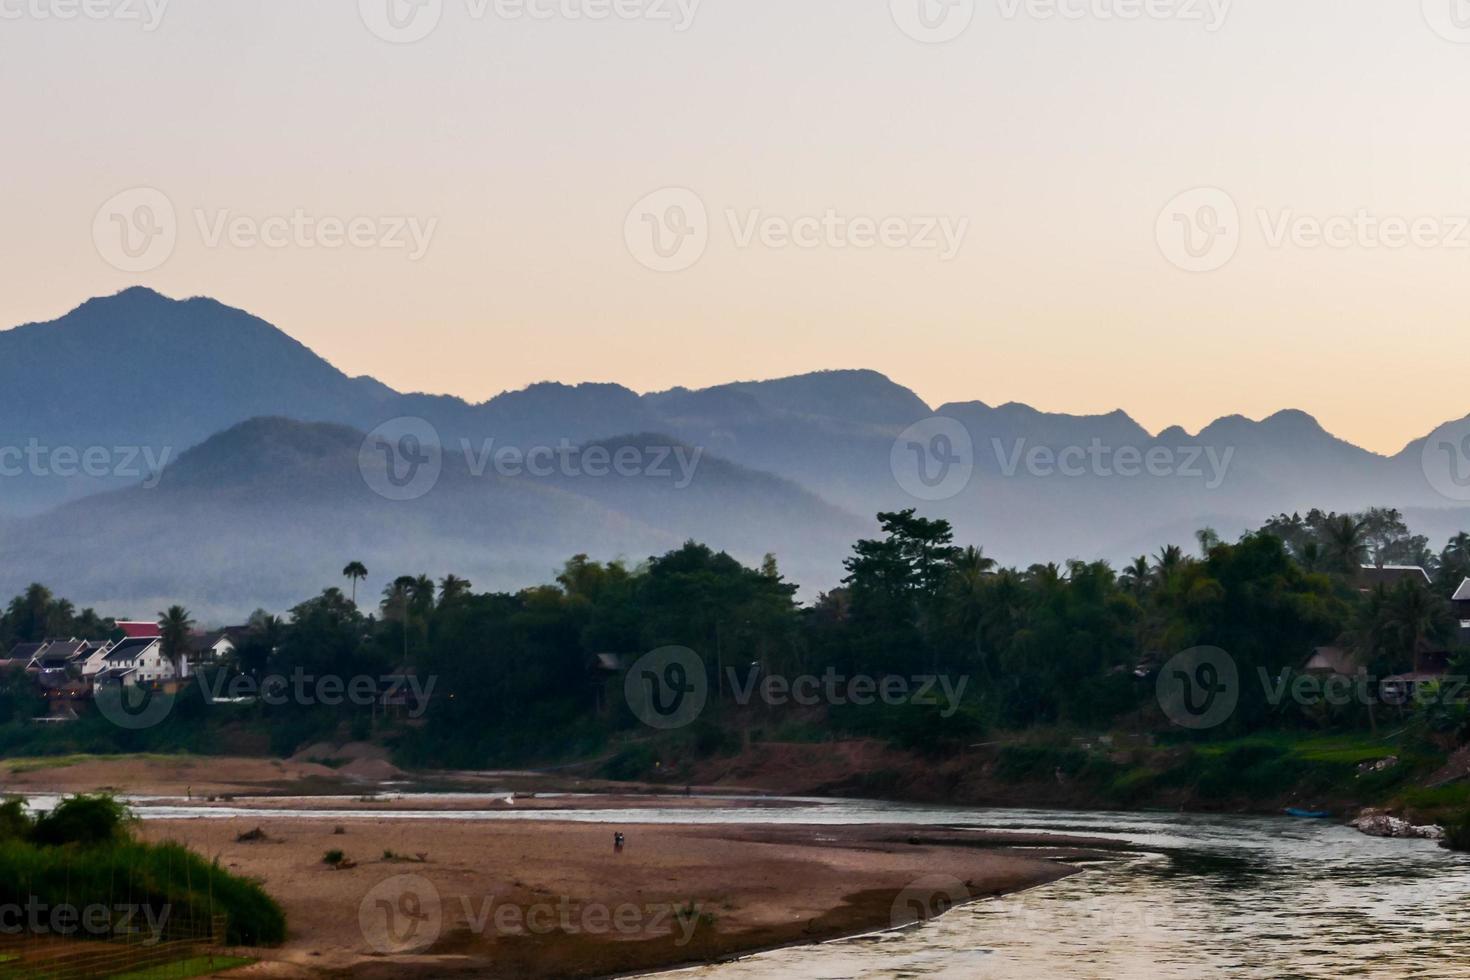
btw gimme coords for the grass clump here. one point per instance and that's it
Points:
(83, 853)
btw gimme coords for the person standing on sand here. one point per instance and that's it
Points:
(617, 843)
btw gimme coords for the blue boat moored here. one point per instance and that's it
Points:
(1293, 811)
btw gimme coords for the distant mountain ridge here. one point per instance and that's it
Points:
(816, 451)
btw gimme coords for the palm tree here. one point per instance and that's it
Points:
(1454, 562)
(1135, 577)
(355, 572)
(1168, 561)
(452, 588)
(1208, 538)
(398, 604)
(1345, 543)
(174, 627)
(966, 592)
(1417, 619)
(421, 594)
(972, 561)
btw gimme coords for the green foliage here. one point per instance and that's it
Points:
(518, 680)
(711, 739)
(86, 821)
(919, 727)
(1457, 832)
(81, 854)
(15, 822)
(632, 762)
(36, 615)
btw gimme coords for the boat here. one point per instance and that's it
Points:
(1296, 811)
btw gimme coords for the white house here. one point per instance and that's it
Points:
(208, 648)
(137, 661)
(96, 660)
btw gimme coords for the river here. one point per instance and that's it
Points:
(1194, 896)
(1211, 896)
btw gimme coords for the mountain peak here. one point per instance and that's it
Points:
(1293, 418)
(858, 395)
(1289, 421)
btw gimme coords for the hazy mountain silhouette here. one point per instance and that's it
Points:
(268, 512)
(797, 465)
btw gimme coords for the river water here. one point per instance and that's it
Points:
(1211, 897)
(1193, 896)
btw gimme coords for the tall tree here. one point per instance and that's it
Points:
(174, 626)
(1345, 544)
(355, 572)
(452, 589)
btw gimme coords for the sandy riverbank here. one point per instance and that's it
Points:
(446, 896)
(554, 900)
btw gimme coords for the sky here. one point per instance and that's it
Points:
(1181, 208)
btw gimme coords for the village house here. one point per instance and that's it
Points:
(64, 654)
(1431, 663)
(1460, 602)
(67, 672)
(1391, 576)
(136, 660)
(22, 655)
(209, 648)
(1333, 660)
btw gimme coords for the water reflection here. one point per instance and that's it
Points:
(1221, 897)
(1202, 896)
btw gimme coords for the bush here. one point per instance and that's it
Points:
(711, 739)
(87, 821)
(1457, 833)
(923, 728)
(1021, 763)
(88, 858)
(15, 823)
(631, 763)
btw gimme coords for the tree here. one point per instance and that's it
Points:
(1167, 564)
(452, 588)
(1345, 544)
(355, 572)
(174, 626)
(1136, 577)
(1416, 619)
(1454, 563)
(965, 599)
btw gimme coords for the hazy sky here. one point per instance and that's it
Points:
(1049, 148)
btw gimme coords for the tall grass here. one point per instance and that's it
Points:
(83, 855)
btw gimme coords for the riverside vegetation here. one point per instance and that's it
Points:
(1061, 661)
(82, 855)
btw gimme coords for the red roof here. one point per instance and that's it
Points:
(139, 631)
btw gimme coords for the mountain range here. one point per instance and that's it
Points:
(265, 489)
